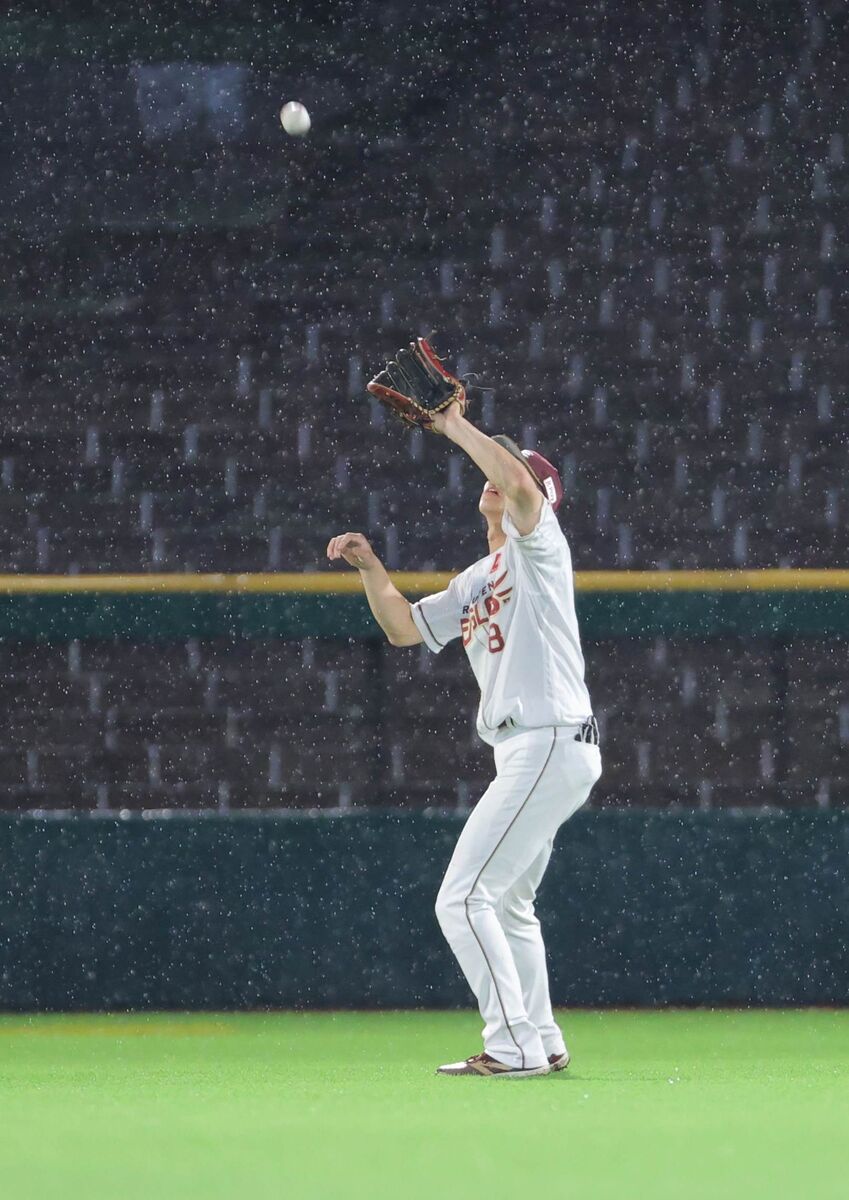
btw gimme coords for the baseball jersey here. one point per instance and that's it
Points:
(515, 611)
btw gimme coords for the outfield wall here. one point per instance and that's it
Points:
(639, 907)
(773, 603)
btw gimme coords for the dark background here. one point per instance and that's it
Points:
(631, 221)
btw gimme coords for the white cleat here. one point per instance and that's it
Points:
(485, 1064)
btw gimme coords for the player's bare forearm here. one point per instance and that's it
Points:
(390, 609)
(498, 465)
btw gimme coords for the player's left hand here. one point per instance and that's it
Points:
(441, 421)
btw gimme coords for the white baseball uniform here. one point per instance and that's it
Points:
(515, 611)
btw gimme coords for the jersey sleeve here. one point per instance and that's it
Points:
(437, 617)
(545, 542)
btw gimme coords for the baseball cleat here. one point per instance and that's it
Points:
(484, 1064)
(559, 1062)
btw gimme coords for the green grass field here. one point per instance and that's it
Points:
(661, 1104)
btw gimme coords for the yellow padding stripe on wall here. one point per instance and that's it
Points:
(423, 582)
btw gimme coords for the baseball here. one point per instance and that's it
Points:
(295, 119)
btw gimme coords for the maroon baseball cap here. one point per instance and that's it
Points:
(545, 475)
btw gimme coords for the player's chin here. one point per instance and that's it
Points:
(491, 505)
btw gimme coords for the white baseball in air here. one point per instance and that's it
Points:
(295, 119)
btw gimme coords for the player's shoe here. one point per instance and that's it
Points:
(485, 1064)
(559, 1062)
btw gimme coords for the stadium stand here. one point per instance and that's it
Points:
(645, 256)
(322, 723)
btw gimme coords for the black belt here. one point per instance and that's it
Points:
(588, 732)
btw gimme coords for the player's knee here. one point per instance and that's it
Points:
(449, 908)
(455, 908)
(517, 915)
(478, 901)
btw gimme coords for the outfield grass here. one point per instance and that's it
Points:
(662, 1104)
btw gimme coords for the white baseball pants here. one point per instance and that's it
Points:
(485, 905)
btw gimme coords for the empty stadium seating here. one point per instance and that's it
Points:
(322, 723)
(656, 296)
(638, 244)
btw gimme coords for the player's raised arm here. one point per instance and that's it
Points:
(421, 391)
(505, 472)
(391, 610)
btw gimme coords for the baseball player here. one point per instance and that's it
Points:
(515, 612)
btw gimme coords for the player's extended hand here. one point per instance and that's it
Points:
(440, 422)
(354, 548)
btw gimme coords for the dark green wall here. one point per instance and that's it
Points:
(159, 617)
(639, 908)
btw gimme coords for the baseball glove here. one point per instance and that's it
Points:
(415, 385)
